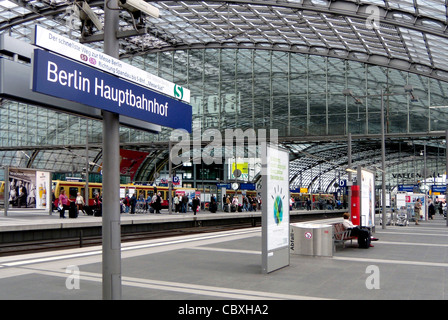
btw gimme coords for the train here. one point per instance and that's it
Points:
(141, 191)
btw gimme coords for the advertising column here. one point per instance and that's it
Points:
(275, 209)
(366, 182)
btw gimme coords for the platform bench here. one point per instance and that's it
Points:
(340, 235)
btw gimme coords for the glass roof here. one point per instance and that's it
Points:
(408, 35)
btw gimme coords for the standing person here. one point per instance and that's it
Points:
(254, 203)
(417, 210)
(184, 203)
(245, 203)
(196, 203)
(133, 203)
(63, 204)
(80, 202)
(158, 203)
(176, 203)
(127, 203)
(431, 210)
(213, 205)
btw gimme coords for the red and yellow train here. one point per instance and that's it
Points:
(141, 191)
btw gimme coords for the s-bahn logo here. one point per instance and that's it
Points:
(85, 58)
(178, 92)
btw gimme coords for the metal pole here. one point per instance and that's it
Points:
(170, 180)
(86, 190)
(349, 165)
(111, 178)
(424, 181)
(383, 163)
(446, 170)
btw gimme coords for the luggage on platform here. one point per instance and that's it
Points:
(88, 210)
(73, 211)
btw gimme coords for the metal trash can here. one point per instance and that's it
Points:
(311, 239)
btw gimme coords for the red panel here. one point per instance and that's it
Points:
(355, 203)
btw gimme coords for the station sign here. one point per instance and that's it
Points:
(438, 188)
(83, 54)
(57, 76)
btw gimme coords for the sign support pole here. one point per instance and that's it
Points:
(446, 172)
(111, 178)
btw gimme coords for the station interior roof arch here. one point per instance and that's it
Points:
(261, 64)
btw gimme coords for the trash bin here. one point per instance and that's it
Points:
(311, 239)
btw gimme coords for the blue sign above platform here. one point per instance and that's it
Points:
(63, 78)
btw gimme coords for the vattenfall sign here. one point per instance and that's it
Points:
(88, 56)
(63, 78)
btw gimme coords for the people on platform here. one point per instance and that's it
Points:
(63, 204)
(431, 210)
(80, 202)
(133, 202)
(183, 203)
(196, 204)
(417, 210)
(158, 203)
(177, 203)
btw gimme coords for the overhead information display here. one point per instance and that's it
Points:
(60, 77)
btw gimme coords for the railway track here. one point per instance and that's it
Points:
(10, 249)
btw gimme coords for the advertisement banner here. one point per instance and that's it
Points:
(367, 197)
(28, 189)
(60, 77)
(275, 206)
(130, 161)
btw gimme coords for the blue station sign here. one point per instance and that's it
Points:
(63, 78)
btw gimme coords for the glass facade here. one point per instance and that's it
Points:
(300, 95)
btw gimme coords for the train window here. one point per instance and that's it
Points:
(73, 192)
(163, 194)
(141, 194)
(150, 193)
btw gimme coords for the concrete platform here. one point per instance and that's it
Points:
(407, 263)
(40, 221)
(34, 220)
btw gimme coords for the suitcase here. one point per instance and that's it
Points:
(73, 211)
(97, 213)
(88, 210)
(364, 239)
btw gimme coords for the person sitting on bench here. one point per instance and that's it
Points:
(363, 234)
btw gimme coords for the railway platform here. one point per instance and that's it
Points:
(407, 263)
(26, 225)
